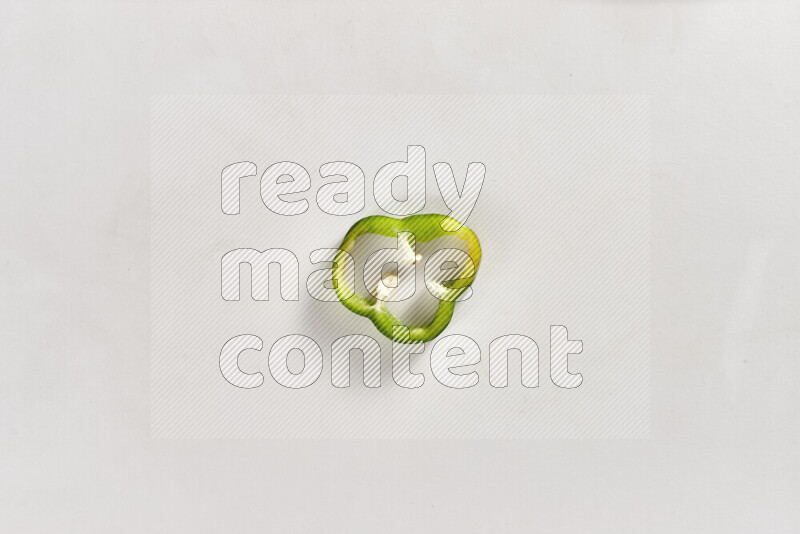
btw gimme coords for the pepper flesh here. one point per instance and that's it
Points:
(425, 228)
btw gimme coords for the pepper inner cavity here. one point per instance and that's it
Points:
(419, 308)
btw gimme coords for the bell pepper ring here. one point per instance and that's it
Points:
(421, 229)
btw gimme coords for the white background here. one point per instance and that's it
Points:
(75, 447)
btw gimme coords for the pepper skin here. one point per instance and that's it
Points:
(425, 228)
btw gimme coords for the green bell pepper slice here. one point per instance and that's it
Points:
(425, 228)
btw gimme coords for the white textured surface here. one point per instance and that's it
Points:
(75, 451)
(563, 220)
